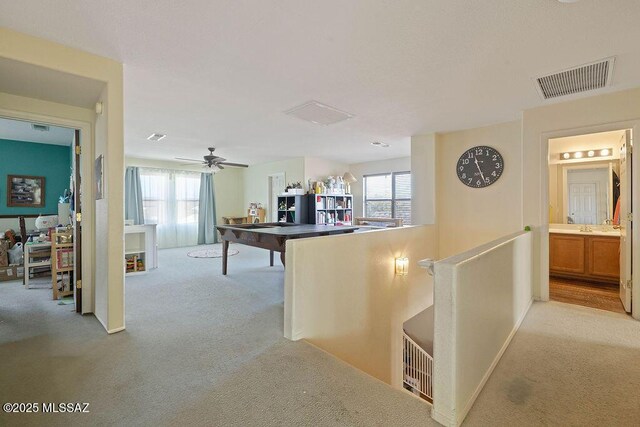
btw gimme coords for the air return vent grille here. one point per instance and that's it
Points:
(575, 80)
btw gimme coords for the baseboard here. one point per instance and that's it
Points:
(113, 331)
(441, 418)
(460, 417)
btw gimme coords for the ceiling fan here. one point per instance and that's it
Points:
(214, 162)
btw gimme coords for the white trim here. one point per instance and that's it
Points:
(461, 415)
(113, 331)
(634, 125)
(273, 216)
(86, 169)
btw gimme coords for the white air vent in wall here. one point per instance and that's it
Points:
(318, 113)
(584, 78)
(40, 128)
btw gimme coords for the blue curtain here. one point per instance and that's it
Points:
(133, 196)
(207, 211)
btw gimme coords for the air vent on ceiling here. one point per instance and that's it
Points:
(40, 128)
(320, 114)
(584, 78)
(156, 136)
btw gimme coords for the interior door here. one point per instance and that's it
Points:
(77, 224)
(625, 222)
(276, 188)
(582, 203)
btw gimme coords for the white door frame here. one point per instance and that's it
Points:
(86, 169)
(273, 214)
(634, 125)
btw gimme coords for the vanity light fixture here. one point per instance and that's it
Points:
(576, 155)
(402, 266)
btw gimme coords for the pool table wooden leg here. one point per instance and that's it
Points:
(282, 258)
(270, 258)
(225, 249)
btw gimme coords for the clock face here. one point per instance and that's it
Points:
(480, 166)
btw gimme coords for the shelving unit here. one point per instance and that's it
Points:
(293, 209)
(331, 209)
(62, 264)
(140, 248)
(37, 261)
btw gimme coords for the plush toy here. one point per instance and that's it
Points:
(11, 236)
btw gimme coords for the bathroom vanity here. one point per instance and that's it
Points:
(586, 255)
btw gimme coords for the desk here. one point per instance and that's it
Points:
(37, 256)
(272, 236)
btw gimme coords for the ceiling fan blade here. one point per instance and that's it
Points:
(237, 165)
(219, 166)
(188, 160)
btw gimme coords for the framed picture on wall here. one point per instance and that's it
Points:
(99, 177)
(25, 191)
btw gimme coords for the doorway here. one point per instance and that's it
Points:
(589, 227)
(40, 251)
(276, 183)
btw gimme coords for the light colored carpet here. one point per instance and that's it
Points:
(199, 349)
(203, 349)
(211, 253)
(567, 366)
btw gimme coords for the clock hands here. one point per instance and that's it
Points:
(479, 170)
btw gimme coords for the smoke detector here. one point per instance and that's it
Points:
(583, 78)
(318, 113)
(156, 136)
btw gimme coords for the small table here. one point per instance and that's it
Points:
(234, 219)
(273, 236)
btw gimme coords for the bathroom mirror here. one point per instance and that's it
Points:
(583, 192)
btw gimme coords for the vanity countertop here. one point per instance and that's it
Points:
(597, 231)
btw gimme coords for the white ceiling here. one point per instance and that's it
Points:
(18, 130)
(215, 72)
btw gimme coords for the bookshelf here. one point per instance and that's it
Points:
(331, 209)
(62, 256)
(293, 209)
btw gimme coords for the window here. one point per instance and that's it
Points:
(171, 199)
(388, 196)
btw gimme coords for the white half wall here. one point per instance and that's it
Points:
(342, 295)
(481, 297)
(423, 179)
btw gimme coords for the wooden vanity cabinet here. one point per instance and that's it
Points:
(592, 258)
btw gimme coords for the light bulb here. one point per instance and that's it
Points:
(604, 152)
(591, 153)
(577, 155)
(566, 155)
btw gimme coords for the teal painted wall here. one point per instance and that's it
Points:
(28, 158)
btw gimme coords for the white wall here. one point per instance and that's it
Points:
(423, 179)
(318, 169)
(256, 186)
(481, 298)
(342, 295)
(468, 217)
(358, 170)
(228, 184)
(589, 115)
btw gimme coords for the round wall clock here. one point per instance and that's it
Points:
(480, 166)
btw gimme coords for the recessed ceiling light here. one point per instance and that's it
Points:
(156, 136)
(379, 144)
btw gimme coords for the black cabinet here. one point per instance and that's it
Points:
(293, 209)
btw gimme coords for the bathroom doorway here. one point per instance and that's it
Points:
(589, 230)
